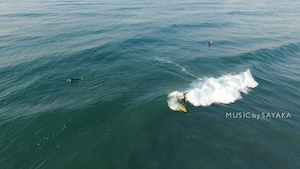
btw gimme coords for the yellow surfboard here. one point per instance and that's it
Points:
(182, 108)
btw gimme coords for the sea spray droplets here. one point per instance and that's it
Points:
(44, 140)
(225, 89)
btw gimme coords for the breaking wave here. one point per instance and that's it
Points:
(223, 90)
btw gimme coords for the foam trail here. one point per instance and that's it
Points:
(183, 69)
(225, 89)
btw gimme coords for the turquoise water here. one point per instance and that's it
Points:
(135, 58)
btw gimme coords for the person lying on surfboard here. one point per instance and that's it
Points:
(184, 98)
(71, 79)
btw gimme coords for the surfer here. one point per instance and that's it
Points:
(184, 98)
(71, 79)
(209, 43)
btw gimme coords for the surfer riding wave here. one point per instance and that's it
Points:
(205, 91)
(182, 99)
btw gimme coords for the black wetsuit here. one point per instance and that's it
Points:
(75, 79)
(183, 100)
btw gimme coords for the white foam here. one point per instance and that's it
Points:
(225, 89)
(172, 102)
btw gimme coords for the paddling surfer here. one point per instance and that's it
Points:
(72, 79)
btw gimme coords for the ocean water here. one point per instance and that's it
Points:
(136, 58)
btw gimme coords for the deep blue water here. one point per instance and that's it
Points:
(135, 58)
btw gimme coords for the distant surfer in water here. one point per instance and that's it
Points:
(72, 79)
(209, 43)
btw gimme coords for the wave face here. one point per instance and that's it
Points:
(222, 90)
